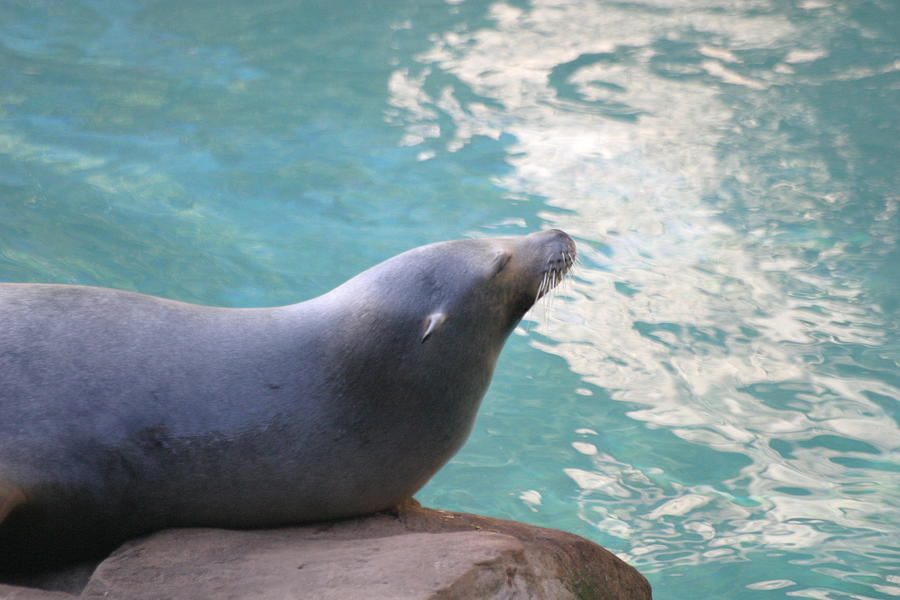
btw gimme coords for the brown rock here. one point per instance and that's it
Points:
(410, 553)
(12, 592)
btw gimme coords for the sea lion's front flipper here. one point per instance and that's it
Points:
(11, 496)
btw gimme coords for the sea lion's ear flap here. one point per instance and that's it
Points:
(432, 324)
(501, 258)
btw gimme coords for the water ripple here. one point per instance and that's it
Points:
(721, 298)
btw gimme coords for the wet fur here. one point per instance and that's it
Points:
(125, 413)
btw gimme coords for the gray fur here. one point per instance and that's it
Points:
(124, 413)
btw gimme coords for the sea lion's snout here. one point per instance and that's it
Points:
(559, 253)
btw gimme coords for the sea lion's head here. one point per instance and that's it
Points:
(503, 277)
(477, 288)
(413, 341)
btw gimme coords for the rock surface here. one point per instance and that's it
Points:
(411, 553)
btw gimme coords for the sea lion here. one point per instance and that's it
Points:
(124, 413)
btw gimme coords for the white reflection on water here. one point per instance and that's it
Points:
(689, 316)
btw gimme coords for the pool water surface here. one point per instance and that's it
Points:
(713, 395)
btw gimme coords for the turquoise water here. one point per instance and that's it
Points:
(715, 394)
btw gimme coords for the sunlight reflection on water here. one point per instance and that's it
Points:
(715, 330)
